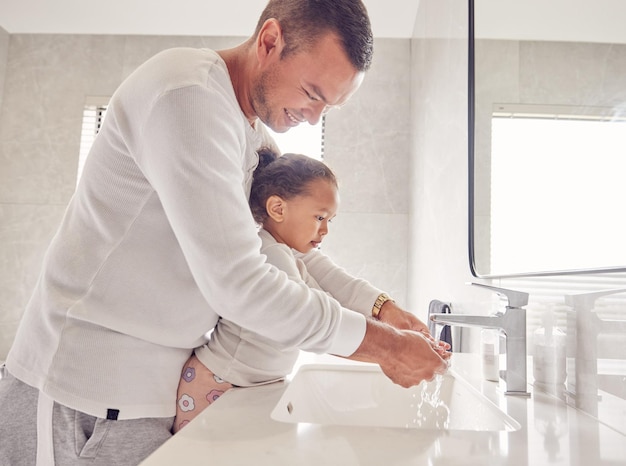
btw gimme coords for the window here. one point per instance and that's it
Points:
(303, 139)
(568, 153)
(556, 169)
(93, 116)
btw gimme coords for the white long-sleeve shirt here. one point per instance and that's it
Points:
(157, 242)
(244, 358)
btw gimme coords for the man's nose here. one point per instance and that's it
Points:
(315, 112)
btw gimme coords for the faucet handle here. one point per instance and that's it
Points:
(587, 300)
(514, 298)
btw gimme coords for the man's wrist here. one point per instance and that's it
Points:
(378, 343)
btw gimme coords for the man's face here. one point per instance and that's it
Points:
(305, 85)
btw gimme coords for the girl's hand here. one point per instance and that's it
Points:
(391, 314)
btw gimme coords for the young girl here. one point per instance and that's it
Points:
(293, 198)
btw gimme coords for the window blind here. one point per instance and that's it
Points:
(93, 116)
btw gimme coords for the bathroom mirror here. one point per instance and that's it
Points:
(547, 137)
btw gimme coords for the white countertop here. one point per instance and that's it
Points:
(237, 430)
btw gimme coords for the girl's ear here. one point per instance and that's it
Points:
(275, 207)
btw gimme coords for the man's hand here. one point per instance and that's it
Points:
(390, 313)
(405, 356)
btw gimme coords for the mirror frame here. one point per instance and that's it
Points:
(471, 120)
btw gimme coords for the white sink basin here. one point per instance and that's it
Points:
(363, 396)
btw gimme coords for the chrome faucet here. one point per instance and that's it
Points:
(511, 322)
(583, 304)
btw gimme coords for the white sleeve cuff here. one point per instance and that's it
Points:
(350, 335)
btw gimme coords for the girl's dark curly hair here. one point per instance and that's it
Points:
(286, 176)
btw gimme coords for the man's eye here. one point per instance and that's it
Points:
(320, 218)
(308, 94)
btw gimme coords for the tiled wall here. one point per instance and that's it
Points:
(4, 49)
(438, 259)
(367, 143)
(47, 79)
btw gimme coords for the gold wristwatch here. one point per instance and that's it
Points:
(382, 299)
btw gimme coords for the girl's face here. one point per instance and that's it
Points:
(302, 221)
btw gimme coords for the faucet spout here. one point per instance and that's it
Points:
(512, 323)
(466, 320)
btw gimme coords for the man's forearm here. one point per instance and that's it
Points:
(378, 343)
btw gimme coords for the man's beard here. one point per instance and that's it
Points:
(259, 98)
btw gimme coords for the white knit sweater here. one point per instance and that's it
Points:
(244, 358)
(157, 242)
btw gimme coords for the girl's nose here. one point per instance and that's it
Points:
(324, 228)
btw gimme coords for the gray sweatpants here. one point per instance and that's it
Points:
(77, 438)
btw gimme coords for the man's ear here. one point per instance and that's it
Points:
(269, 41)
(275, 207)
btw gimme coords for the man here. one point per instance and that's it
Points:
(158, 242)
